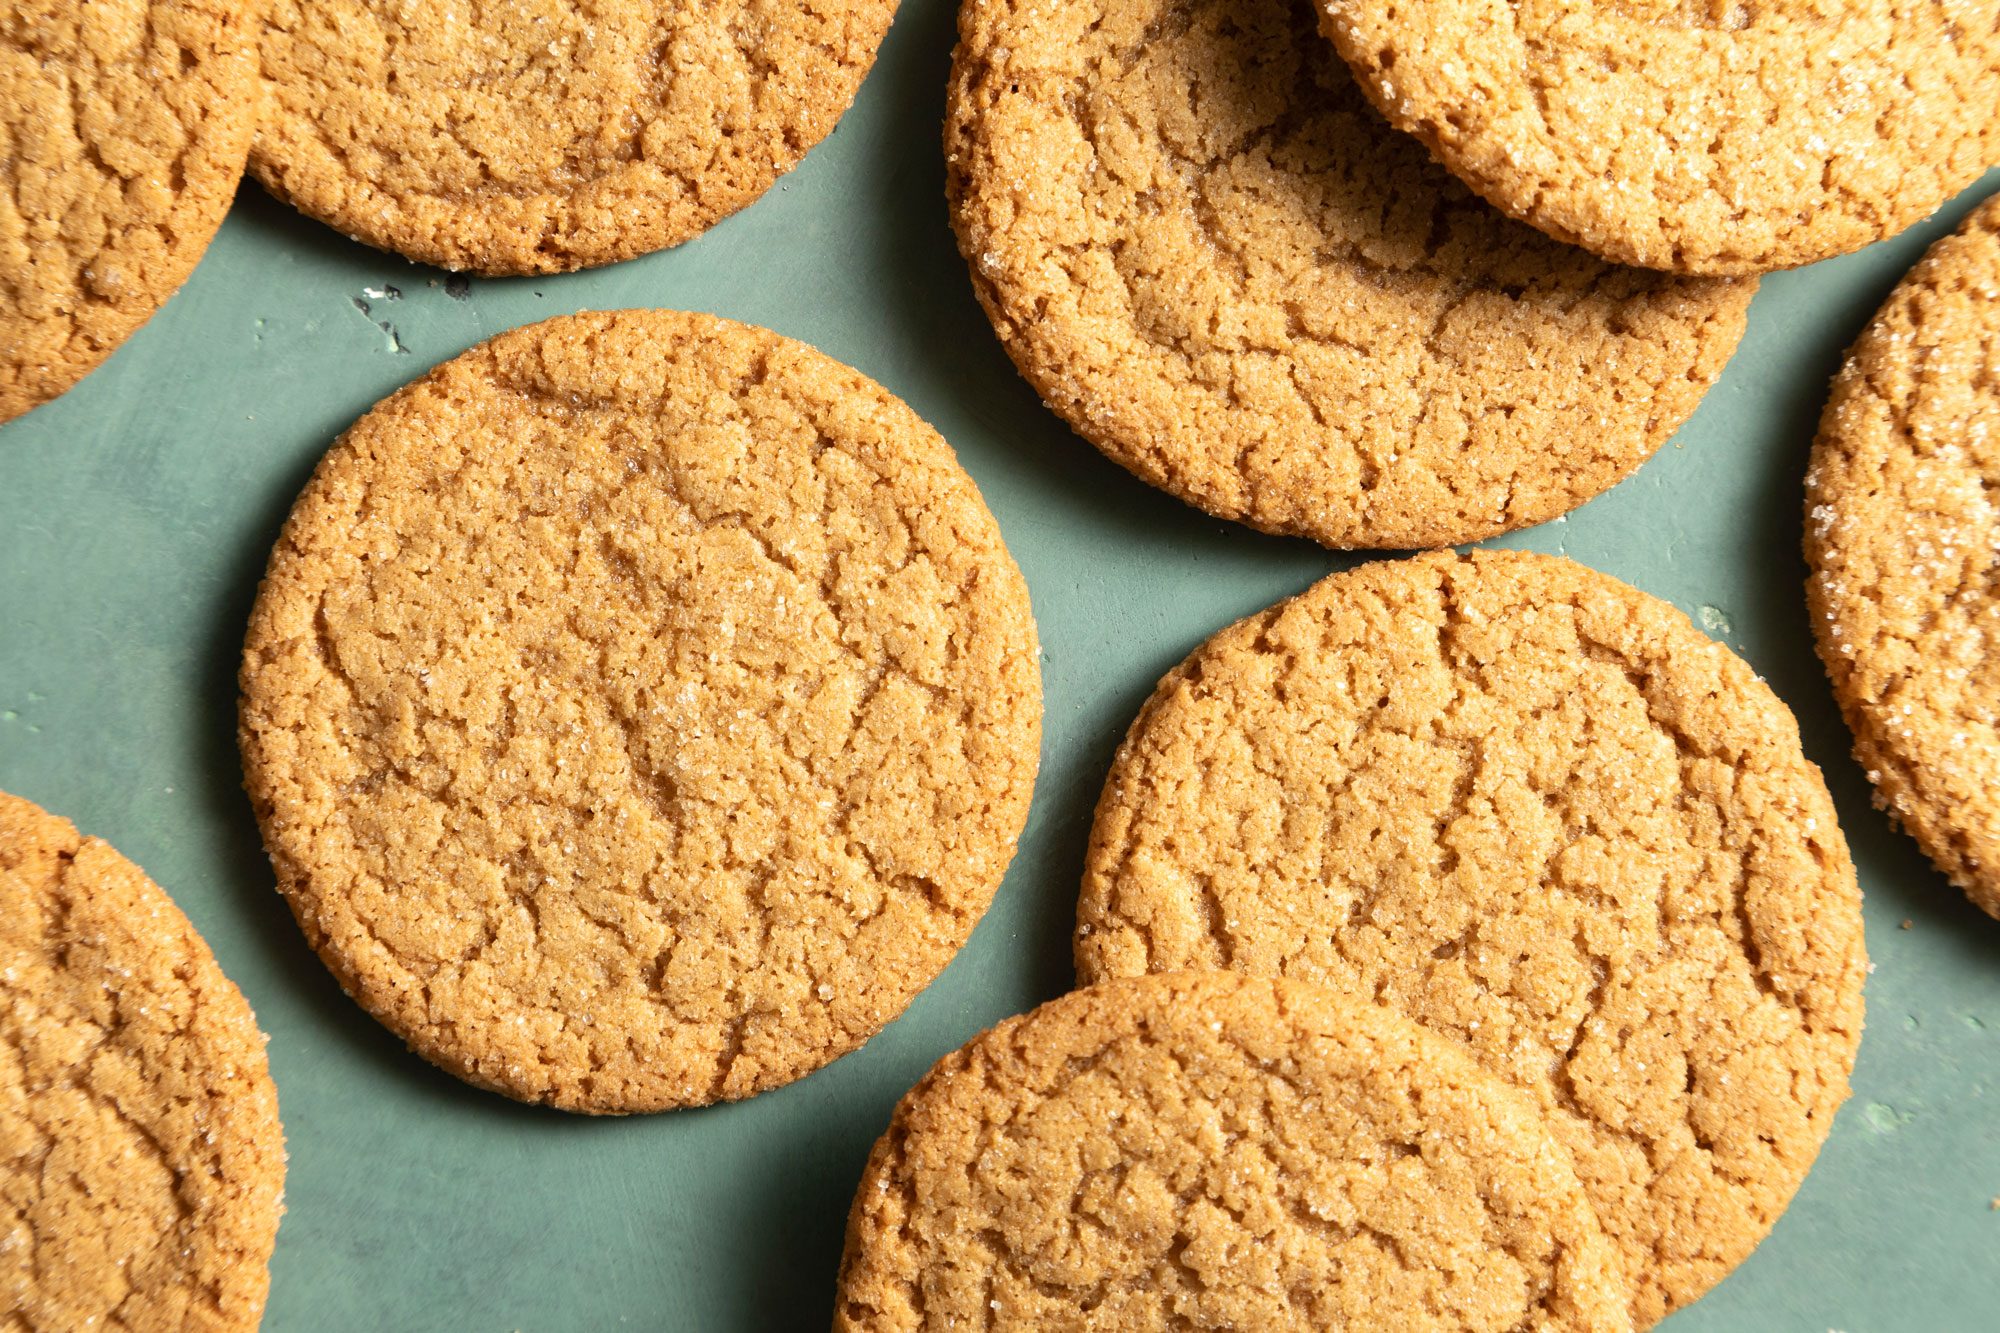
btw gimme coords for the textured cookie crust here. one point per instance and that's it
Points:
(640, 709)
(1903, 536)
(1697, 136)
(1212, 259)
(539, 136)
(1537, 811)
(1220, 1151)
(141, 1162)
(123, 128)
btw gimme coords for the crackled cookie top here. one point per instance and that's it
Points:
(537, 136)
(1211, 258)
(1903, 535)
(1539, 812)
(1220, 1151)
(123, 126)
(1698, 136)
(141, 1161)
(639, 709)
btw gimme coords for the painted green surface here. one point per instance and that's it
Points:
(135, 515)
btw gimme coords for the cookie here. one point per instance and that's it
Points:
(141, 1162)
(540, 137)
(123, 130)
(1212, 259)
(640, 710)
(1537, 811)
(1696, 136)
(1903, 537)
(1220, 1151)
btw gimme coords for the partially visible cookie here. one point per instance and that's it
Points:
(640, 709)
(141, 1161)
(1539, 812)
(123, 129)
(1903, 536)
(1220, 1151)
(541, 136)
(1697, 136)
(1214, 261)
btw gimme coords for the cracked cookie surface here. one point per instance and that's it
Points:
(123, 129)
(1220, 1151)
(1697, 136)
(1211, 258)
(141, 1161)
(1903, 536)
(639, 710)
(532, 136)
(1539, 812)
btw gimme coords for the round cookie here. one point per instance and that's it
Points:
(1220, 1151)
(1210, 257)
(1537, 811)
(540, 136)
(123, 130)
(141, 1161)
(640, 709)
(1903, 536)
(1696, 136)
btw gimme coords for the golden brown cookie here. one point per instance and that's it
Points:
(1536, 810)
(640, 710)
(141, 1162)
(123, 128)
(1903, 536)
(1216, 263)
(1697, 136)
(1220, 1151)
(539, 136)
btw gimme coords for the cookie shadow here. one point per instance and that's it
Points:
(794, 1214)
(309, 241)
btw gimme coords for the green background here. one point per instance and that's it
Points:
(136, 513)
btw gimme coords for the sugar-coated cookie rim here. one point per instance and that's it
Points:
(1925, 816)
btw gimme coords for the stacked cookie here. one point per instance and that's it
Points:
(1569, 844)
(1206, 252)
(529, 138)
(1221, 1151)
